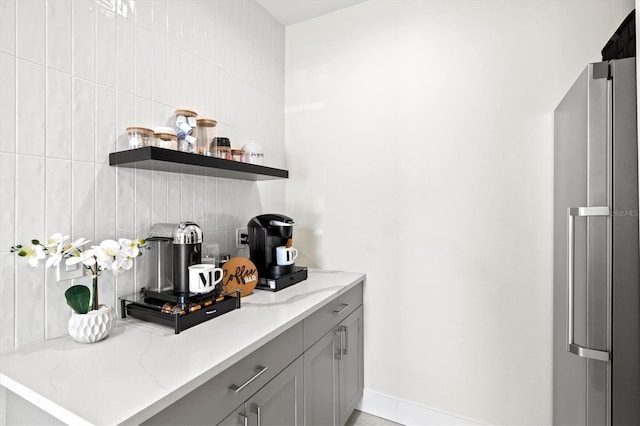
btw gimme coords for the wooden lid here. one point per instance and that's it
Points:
(142, 130)
(239, 273)
(186, 113)
(206, 122)
(237, 151)
(166, 136)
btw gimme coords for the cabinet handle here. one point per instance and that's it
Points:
(343, 338)
(244, 420)
(259, 414)
(343, 307)
(259, 371)
(338, 353)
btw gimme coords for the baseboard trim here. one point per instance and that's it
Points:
(406, 412)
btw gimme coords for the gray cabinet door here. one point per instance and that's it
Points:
(351, 369)
(280, 402)
(237, 418)
(321, 382)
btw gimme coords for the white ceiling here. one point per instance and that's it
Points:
(289, 12)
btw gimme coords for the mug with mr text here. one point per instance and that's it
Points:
(286, 255)
(202, 278)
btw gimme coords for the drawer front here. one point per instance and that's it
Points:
(216, 399)
(328, 316)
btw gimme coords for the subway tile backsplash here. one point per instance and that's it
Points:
(73, 75)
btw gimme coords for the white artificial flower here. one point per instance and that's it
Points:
(129, 247)
(34, 255)
(86, 257)
(106, 252)
(55, 256)
(110, 247)
(56, 239)
(69, 248)
(122, 263)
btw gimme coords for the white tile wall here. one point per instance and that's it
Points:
(30, 30)
(8, 27)
(59, 35)
(83, 39)
(73, 75)
(8, 99)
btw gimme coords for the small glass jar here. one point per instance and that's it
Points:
(238, 155)
(139, 137)
(166, 140)
(206, 133)
(222, 148)
(186, 129)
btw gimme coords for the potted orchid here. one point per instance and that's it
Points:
(90, 321)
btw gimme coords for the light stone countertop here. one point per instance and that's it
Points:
(142, 368)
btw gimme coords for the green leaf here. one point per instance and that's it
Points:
(35, 242)
(78, 297)
(22, 253)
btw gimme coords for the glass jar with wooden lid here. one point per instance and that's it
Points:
(186, 129)
(206, 134)
(166, 139)
(139, 137)
(238, 155)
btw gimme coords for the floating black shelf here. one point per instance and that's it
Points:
(169, 160)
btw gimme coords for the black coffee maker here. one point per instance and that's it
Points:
(266, 233)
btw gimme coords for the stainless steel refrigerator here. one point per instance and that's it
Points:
(596, 271)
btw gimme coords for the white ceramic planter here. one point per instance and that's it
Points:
(92, 326)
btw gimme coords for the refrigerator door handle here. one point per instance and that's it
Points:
(572, 213)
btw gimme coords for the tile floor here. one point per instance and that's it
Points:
(358, 418)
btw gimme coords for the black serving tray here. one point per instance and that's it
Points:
(152, 312)
(299, 273)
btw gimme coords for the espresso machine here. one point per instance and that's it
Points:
(267, 234)
(175, 248)
(167, 300)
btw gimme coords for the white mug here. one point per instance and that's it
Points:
(286, 255)
(202, 278)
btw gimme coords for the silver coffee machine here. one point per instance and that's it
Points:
(175, 247)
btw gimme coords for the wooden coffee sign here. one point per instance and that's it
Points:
(239, 272)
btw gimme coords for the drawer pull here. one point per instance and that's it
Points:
(343, 307)
(259, 371)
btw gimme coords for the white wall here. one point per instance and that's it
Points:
(419, 137)
(73, 76)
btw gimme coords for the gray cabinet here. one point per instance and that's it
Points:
(278, 403)
(321, 381)
(281, 401)
(334, 374)
(217, 398)
(310, 374)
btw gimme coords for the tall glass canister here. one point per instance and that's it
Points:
(206, 134)
(186, 129)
